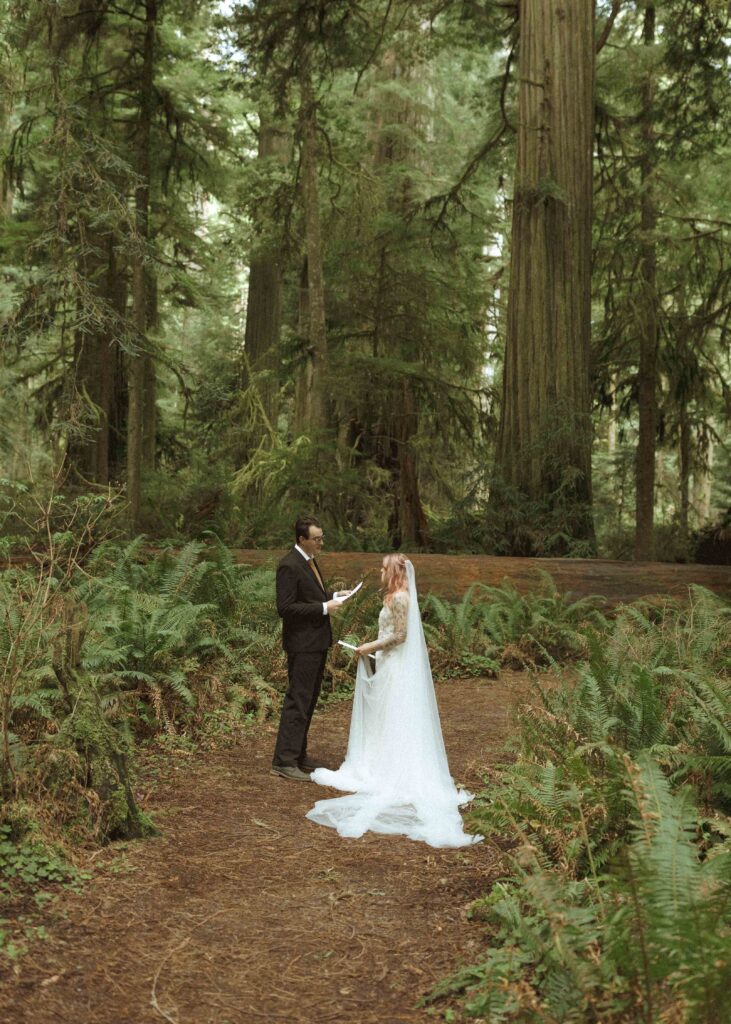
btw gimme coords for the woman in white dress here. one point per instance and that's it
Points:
(395, 770)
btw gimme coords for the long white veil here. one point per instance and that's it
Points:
(396, 769)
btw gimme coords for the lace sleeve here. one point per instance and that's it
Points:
(399, 612)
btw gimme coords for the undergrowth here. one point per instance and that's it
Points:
(498, 627)
(615, 900)
(615, 808)
(121, 652)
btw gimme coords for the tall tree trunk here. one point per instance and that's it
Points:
(681, 389)
(149, 417)
(544, 444)
(6, 185)
(138, 369)
(685, 467)
(314, 397)
(264, 300)
(118, 362)
(90, 384)
(303, 384)
(95, 367)
(647, 372)
(410, 518)
(407, 523)
(612, 425)
(702, 486)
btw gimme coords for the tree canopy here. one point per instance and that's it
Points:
(267, 257)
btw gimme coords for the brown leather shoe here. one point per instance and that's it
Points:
(308, 765)
(290, 771)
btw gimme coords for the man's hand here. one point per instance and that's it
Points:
(333, 606)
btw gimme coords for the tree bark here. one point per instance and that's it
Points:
(264, 299)
(96, 451)
(544, 443)
(303, 384)
(149, 415)
(95, 368)
(407, 524)
(702, 486)
(612, 425)
(647, 370)
(119, 401)
(138, 369)
(411, 525)
(314, 398)
(685, 469)
(6, 185)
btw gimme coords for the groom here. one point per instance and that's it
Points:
(305, 606)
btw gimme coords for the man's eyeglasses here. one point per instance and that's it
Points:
(318, 540)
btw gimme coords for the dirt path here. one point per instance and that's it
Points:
(244, 911)
(451, 575)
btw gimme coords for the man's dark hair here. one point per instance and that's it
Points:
(302, 527)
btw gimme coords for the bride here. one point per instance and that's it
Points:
(395, 769)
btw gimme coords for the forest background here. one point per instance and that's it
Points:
(260, 258)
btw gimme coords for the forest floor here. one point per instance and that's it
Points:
(451, 575)
(244, 911)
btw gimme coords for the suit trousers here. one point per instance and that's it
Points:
(305, 672)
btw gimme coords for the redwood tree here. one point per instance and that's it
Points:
(264, 298)
(139, 364)
(544, 445)
(313, 398)
(648, 327)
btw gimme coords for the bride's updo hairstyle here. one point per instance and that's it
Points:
(395, 575)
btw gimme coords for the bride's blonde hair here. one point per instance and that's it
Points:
(395, 577)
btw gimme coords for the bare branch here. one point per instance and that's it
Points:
(376, 48)
(452, 195)
(608, 25)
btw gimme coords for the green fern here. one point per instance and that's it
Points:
(644, 942)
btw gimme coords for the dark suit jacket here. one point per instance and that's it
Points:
(299, 602)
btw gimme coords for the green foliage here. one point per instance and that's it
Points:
(558, 523)
(177, 646)
(31, 862)
(457, 639)
(155, 622)
(493, 626)
(30, 865)
(618, 904)
(645, 941)
(185, 644)
(415, 176)
(685, 67)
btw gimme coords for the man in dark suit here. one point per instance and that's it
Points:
(305, 605)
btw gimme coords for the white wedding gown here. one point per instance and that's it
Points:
(395, 770)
